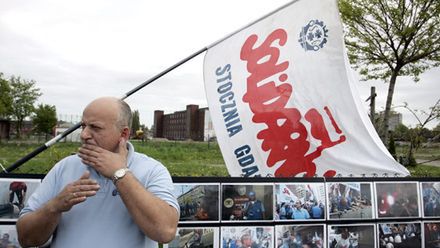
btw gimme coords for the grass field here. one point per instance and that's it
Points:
(181, 158)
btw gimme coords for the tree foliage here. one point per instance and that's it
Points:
(24, 94)
(135, 124)
(45, 119)
(390, 38)
(5, 97)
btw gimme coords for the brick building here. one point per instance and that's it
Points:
(193, 123)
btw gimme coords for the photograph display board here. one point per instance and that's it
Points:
(8, 234)
(308, 236)
(241, 212)
(247, 202)
(199, 237)
(198, 202)
(431, 234)
(400, 234)
(430, 199)
(397, 199)
(300, 201)
(350, 200)
(247, 236)
(14, 193)
(353, 236)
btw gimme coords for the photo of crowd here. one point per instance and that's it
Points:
(8, 235)
(300, 236)
(247, 237)
(400, 235)
(397, 199)
(13, 196)
(432, 234)
(249, 202)
(206, 237)
(198, 202)
(300, 201)
(352, 236)
(431, 199)
(350, 200)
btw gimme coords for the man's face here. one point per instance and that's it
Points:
(247, 242)
(241, 190)
(99, 125)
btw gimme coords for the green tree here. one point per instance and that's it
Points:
(5, 98)
(390, 38)
(45, 119)
(135, 124)
(392, 146)
(416, 134)
(24, 94)
(401, 133)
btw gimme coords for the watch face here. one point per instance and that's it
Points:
(120, 173)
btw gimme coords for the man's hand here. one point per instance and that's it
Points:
(75, 193)
(103, 161)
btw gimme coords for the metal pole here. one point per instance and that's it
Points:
(57, 138)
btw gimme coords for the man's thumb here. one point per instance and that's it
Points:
(122, 145)
(85, 175)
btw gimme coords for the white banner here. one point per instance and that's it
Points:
(284, 104)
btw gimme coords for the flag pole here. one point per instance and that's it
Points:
(57, 138)
(129, 93)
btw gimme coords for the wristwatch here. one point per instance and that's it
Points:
(120, 173)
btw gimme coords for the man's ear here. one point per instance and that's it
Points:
(125, 133)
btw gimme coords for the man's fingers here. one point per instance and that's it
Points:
(122, 146)
(85, 175)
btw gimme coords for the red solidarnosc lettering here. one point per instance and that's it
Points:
(285, 136)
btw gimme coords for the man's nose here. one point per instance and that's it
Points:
(85, 134)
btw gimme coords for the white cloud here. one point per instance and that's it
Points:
(79, 50)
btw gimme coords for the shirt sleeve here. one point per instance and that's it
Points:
(161, 185)
(46, 191)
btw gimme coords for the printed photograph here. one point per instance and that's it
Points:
(8, 235)
(352, 236)
(349, 200)
(301, 236)
(402, 235)
(200, 237)
(431, 234)
(300, 201)
(14, 193)
(397, 199)
(198, 202)
(247, 237)
(431, 199)
(247, 202)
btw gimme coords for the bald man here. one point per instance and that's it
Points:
(107, 195)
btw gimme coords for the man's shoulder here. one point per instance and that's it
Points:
(67, 164)
(146, 162)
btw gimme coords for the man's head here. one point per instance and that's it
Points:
(251, 196)
(246, 240)
(5, 236)
(104, 121)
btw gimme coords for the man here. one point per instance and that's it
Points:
(317, 211)
(19, 189)
(106, 196)
(254, 209)
(299, 213)
(246, 241)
